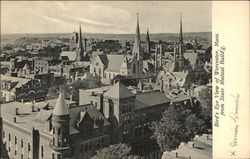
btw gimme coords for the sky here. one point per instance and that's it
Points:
(104, 16)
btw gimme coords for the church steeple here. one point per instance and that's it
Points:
(80, 47)
(137, 51)
(147, 45)
(80, 44)
(181, 36)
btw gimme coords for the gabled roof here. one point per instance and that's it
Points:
(94, 114)
(118, 91)
(70, 54)
(61, 106)
(19, 81)
(191, 57)
(104, 59)
(114, 63)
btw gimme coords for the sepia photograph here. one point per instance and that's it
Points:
(106, 80)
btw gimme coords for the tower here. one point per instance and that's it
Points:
(158, 55)
(147, 46)
(119, 108)
(60, 129)
(137, 51)
(80, 48)
(179, 50)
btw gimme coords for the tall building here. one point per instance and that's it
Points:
(158, 56)
(179, 51)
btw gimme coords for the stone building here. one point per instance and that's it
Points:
(22, 89)
(108, 66)
(61, 129)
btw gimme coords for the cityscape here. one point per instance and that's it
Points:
(107, 96)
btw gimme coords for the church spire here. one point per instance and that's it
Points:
(80, 44)
(147, 44)
(181, 36)
(137, 41)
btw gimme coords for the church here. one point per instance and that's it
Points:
(107, 66)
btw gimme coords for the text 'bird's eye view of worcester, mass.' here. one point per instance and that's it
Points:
(106, 80)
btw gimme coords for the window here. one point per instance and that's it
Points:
(21, 156)
(53, 130)
(81, 148)
(9, 137)
(59, 131)
(21, 143)
(15, 140)
(86, 147)
(100, 71)
(28, 146)
(42, 151)
(53, 156)
(3, 134)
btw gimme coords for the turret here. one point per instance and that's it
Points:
(60, 129)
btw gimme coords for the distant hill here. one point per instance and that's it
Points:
(201, 36)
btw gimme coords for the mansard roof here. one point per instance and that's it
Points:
(119, 91)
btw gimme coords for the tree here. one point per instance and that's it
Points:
(205, 98)
(177, 125)
(117, 151)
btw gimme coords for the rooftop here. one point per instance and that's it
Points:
(118, 91)
(149, 99)
(201, 148)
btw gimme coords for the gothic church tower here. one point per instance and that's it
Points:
(137, 51)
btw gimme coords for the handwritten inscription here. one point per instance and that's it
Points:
(220, 109)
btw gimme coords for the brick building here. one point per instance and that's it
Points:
(61, 129)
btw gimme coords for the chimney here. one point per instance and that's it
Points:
(161, 86)
(17, 113)
(150, 80)
(191, 144)
(22, 100)
(33, 106)
(140, 85)
(14, 119)
(70, 97)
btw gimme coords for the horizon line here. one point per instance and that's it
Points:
(107, 33)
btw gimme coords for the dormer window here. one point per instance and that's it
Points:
(97, 64)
